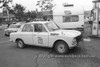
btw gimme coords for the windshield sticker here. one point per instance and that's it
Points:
(40, 40)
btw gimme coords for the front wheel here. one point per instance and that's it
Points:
(20, 44)
(61, 47)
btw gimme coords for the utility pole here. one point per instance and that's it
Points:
(95, 27)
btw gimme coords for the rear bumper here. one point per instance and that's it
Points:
(11, 40)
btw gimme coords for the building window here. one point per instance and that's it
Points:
(72, 18)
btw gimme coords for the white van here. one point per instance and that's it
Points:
(69, 17)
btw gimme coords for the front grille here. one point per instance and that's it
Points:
(79, 38)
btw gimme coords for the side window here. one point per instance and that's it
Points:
(27, 28)
(39, 28)
(72, 18)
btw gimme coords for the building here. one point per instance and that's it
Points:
(87, 13)
(47, 15)
(4, 19)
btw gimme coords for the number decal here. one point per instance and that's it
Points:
(40, 40)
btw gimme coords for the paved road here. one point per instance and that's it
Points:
(87, 54)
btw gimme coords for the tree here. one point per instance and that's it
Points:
(19, 12)
(30, 15)
(11, 11)
(45, 4)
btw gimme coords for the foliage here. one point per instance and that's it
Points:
(30, 15)
(45, 4)
(19, 12)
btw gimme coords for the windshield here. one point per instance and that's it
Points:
(52, 26)
(14, 26)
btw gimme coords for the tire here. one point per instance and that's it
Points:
(20, 43)
(61, 47)
(6, 35)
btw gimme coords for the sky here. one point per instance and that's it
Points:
(31, 4)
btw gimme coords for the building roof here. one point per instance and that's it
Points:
(10, 15)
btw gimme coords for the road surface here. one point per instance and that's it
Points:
(87, 54)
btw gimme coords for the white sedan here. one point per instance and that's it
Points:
(11, 28)
(46, 34)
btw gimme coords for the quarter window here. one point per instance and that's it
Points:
(27, 28)
(39, 28)
(72, 18)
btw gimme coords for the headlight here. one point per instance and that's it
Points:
(74, 42)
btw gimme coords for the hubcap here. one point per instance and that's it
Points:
(61, 48)
(20, 44)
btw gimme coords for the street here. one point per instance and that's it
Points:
(87, 54)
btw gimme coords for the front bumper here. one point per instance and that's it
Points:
(71, 47)
(78, 39)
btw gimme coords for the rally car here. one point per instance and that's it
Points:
(11, 28)
(46, 34)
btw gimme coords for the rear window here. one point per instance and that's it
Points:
(72, 18)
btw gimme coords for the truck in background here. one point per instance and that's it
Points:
(69, 17)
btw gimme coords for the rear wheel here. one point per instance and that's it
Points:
(61, 47)
(5, 34)
(20, 43)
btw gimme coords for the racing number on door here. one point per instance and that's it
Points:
(40, 40)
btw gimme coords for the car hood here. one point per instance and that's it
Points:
(68, 33)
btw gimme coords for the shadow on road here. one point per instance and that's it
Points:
(75, 51)
(94, 37)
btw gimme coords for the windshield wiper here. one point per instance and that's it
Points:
(55, 29)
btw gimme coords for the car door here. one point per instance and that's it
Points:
(27, 33)
(41, 35)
